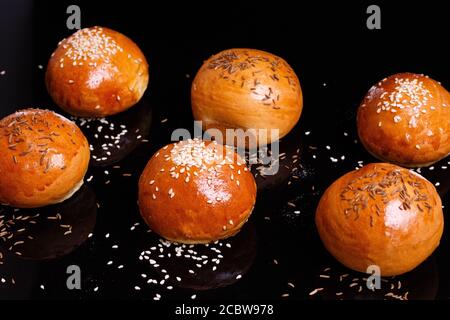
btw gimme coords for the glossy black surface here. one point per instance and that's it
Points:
(278, 254)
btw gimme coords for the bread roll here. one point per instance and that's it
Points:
(405, 119)
(44, 158)
(250, 90)
(196, 192)
(96, 72)
(380, 215)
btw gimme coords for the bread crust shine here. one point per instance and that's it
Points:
(405, 119)
(44, 158)
(380, 215)
(196, 192)
(247, 89)
(96, 72)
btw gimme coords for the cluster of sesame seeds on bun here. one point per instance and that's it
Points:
(192, 157)
(195, 153)
(408, 94)
(89, 45)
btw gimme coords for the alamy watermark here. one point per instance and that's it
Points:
(374, 280)
(73, 22)
(74, 279)
(258, 146)
(373, 22)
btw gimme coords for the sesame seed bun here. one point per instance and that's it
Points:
(380, 215)
(247, 89)
(44, 158)
(96, 72)
(196, 192)
(404, 119)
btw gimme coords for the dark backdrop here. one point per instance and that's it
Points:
(336, 58)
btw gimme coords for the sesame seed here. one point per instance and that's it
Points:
(90, 44)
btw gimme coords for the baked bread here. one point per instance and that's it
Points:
(196, 192)
(380, 215)
(96, 72)
(405, 119)
(44, 158)
(247, 89)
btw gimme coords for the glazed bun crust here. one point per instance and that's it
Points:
(44, 158)
(380, 215)
(247, 89)
(96, 72)
(405, 119)
(188, 195)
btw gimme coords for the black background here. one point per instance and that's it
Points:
(325, 43)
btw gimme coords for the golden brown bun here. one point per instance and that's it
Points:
(405, 119)
(380, 215)
(196, 192)
(96, 72)
(247, 89)
(44, 158)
